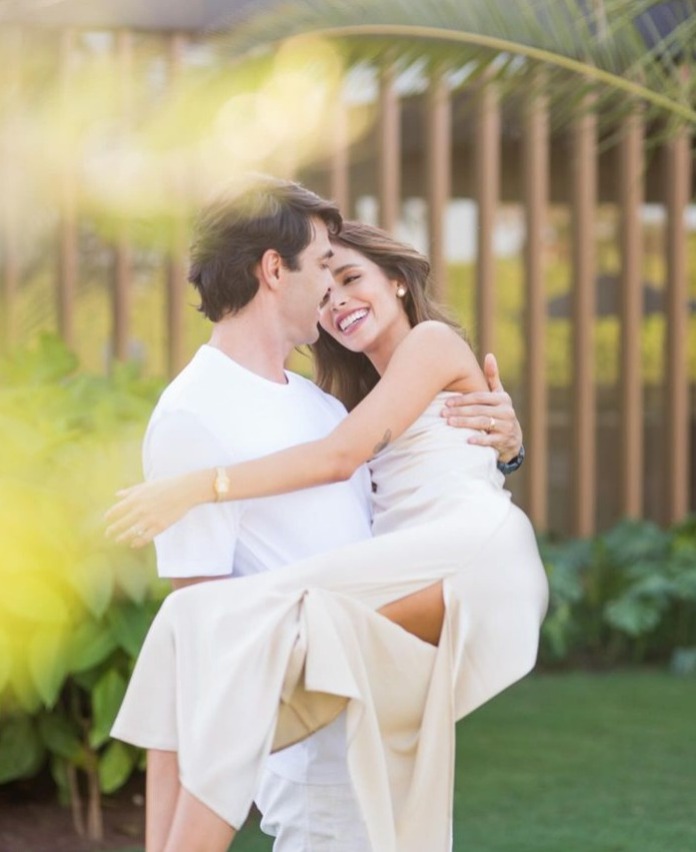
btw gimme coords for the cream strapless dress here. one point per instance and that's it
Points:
(231, 671)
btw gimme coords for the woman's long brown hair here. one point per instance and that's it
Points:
(350, 376)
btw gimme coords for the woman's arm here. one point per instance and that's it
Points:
(431, 358)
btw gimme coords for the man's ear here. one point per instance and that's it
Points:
(270, 268)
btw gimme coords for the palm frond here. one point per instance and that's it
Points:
(623, 51)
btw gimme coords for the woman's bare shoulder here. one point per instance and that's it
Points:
(435, 334)
(443, 342)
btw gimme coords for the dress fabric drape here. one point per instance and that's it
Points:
(231, 670)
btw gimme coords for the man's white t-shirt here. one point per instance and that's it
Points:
(216, 412)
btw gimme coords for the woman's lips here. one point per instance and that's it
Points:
(349, 321)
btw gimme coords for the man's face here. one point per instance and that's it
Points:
(306, 287)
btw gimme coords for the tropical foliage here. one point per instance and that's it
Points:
(628, 595)
(74, 610)
(619, 51)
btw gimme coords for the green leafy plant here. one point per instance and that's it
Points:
(628, 595)
(74, 609)
(564, 563)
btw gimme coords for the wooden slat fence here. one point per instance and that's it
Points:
(583, 205)
(677, 182)
(439, 167)
(535, 174)
(631, 165)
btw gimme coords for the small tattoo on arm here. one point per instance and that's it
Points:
(383, 443)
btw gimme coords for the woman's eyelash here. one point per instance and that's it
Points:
(349, 278)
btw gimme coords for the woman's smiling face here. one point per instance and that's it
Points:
(361, 309)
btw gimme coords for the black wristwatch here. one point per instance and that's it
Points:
(512, 465)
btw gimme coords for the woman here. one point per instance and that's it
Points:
(453, 562)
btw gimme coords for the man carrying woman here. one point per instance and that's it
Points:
(268, 263)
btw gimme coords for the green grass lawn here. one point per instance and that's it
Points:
(574, 763)
(580, 763)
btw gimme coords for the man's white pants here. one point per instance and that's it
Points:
(310, 817)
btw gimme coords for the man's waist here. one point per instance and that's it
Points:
(320, 759)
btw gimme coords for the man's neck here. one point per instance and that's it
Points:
(253, 344)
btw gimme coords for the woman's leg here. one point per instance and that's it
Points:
(195, 828)
(405, 584)
(185, 824)
(161, 794)
(420, 613)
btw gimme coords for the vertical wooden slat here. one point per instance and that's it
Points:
(122, 250)
(535, 182)
(584, 206)
(487, 182)
(340, 164)
(676, 437)
(438, 175)
(389, 153)
(176, 275)
(67, 227)
(12, 52)
(630, 152)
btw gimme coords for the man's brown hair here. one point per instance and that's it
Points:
(234, 231)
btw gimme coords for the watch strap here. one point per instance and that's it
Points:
(512, 465)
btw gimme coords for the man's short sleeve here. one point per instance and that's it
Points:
(202, 543)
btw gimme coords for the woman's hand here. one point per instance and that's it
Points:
(146, 510)
(490, 413)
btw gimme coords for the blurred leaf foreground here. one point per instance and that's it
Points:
(74, 609)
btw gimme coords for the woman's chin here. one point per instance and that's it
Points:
(353, 344)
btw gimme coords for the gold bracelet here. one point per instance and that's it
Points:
(221, 484)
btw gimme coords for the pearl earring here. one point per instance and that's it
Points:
(401, 291)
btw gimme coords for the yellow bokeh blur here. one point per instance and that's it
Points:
(60, 462)
(122, 139)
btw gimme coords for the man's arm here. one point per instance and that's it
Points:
(182, 582)
(492, 414)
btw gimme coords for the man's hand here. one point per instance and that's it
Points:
(491, 413)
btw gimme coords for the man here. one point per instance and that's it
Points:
(259, 261)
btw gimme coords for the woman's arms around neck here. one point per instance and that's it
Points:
(430, 359)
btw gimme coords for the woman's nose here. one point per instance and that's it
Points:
(337, 301)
